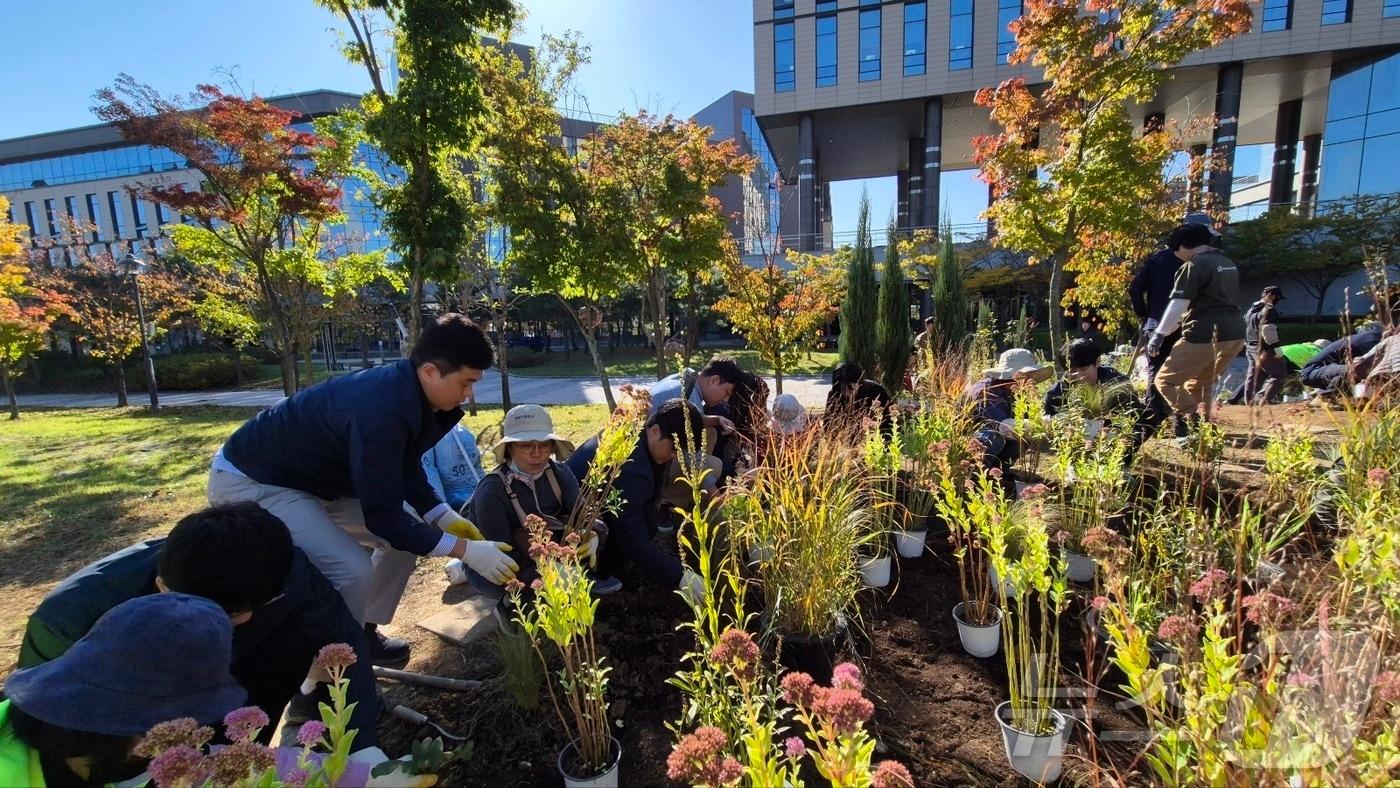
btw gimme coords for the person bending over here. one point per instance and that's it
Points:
(853, 398)
(992, 400)
(1082, 360)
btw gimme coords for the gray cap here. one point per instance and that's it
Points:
(1202, 218)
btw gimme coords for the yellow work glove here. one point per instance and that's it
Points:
(457, 525)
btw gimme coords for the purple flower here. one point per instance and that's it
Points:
(335, 656)
(311, 733)
(1267, 608)
(845, 709)
(180, 765)
(1178, 630)
(1211, 585)
(241, 761)
(699, 759)
(243, 724)
(847, 676)
(891, 774)
(297, 778)
(737, 651)
(184, 732)
(794, 748)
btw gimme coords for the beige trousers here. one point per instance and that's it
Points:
(1188, 376)
(369, 574)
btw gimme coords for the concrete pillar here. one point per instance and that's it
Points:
(808, 220)
(1307, 196)
(1290, 115)
(916, 183)
(1195, 178)
(1227, 113)
(933, 161)
(901, 221)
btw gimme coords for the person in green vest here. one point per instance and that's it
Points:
(76, 720)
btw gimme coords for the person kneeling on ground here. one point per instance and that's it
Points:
(453, 467)
(529, 479)
(672, 431)
(853, 398)
(241, 558)
(993, 409)
(1082, 358)
(337, 462)
(76, 720)
(1330, 370)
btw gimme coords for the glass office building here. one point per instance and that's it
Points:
(1360, 139)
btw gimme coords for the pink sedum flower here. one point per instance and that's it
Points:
(1100, 602)
(798, 689)
(241, 761)
(514, 586)
(1378, 477)
(180, 766)
(737, 651)
(174, 733)
(699, 759)
(1211, 585)
(1386, 690)
(891, 774)
(311, 733)
(794, 748)
(1268, 609)
(845, 709)
(335, 656)
(847, 676)
(1178, 630)
(243, 724)
(1030, 493)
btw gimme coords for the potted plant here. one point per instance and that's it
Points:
(1093, 489)
(1033, 732)
(969, 511)
(561, 614)
(808, 506)
(932, 439)
(882, 462)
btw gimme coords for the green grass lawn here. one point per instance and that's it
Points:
(76, 485)
(638, 361)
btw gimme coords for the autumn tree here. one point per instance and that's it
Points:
(893, 340)
(653, 177)
(427, 124)
(1075, 184)
(857, 340)
(262, 179)
(27, 309)
(779, 310)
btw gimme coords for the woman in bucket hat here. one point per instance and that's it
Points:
(529, 478)
(992, 400)
(75, 720)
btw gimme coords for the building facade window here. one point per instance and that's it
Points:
(826, 6)
(1391, 8)
(782, 9)
(1362, 131)
(916, 38)
(784, 58)
(114, 204)
(1336, 12)
(138, 215)
(826, 51)
(1008, 11)
(960, 34)
(51, 217)
(869, 44)
(94, 216)
(1278, 15)
(80, 167)
(762, 202)
(33, 225)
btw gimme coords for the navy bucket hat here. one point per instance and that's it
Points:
(148, 660)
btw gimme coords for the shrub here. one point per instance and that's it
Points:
(190, 371)
(522, 357)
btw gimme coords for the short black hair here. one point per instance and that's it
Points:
(452, 342)
(236, 555)
(679, 417)
(1083, 352)
(1189, 236)
(847, 372)
(726, 369)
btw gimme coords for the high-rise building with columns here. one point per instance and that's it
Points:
(848, 89)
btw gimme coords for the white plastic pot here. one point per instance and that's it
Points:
(875, 571)
(997, 581)
(1092, 428)
(608, 779)
(910, 544)
(1080, 568)
(979, 640)
(1037, 758)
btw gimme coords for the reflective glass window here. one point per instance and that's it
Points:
(869, 45)
(51, 217)
(960, 34)
(782, 9)
(114, 204)
(1380, 167)
(1278, 15)
(94, 216)
(826, 51)
(1008, 11)
(138, 215)
(784, 58)
(825, 6)
(29, 219)
(915, 38)
(1336, 12)
(1391, 8)
(1345, 130)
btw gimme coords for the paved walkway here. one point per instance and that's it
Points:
(810, 390)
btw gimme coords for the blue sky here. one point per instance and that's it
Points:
(665, 56)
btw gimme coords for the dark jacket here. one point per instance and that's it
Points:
(308, 604)
(1259, 314)
(360, 436)
(1152, 285)
(870, 397)
(1346, 349)
(1055, 397)
(632, 527)
(993, 401)
(493, 513)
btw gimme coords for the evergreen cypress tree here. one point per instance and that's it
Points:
(950, 307)
(893, 339)
(857, 343)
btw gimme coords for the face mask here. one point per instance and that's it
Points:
(531, 477)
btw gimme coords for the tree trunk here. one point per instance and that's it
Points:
(10, 392)
(656, 300)
(1057, 324)
(778, 380)
(592, 341)
(503, 365)
(692, 318)
(310, 366)
(286, 359)
(239, 378)
(364, 350)
(415, 301)
(121, 386)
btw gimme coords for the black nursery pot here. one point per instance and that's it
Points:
(815, 655)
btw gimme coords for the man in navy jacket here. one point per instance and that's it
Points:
(338, 461)
(1329, 369)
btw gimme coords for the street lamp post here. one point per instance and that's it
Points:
(131, 266)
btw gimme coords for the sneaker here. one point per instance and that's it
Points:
(602, 586)
(384, 651)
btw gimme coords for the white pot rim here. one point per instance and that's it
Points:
(616, 747)
(962, 606)
(1003, 709)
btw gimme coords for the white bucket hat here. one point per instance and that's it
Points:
(527, 423)
(789, 416)
(1015, 361)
